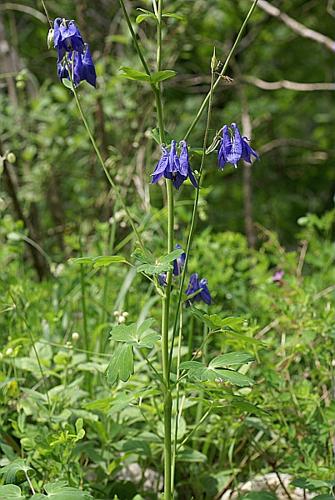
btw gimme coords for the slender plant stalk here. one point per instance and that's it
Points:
(207, 100)
(46, 13)
(157, 90)
(32, 341)
(195, 428)
(110, 249)
(178, 412)
(83, 301)
(191, 336)
(89, 132)
(133, 35)
(194, 212)
(29, 482)
(222, 72)
(109, 178)
(166, 299)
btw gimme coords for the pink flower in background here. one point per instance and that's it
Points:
(278, 276)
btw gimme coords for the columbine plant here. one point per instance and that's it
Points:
(167, 273)
(74, 61)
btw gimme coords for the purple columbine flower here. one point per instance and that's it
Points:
(196, 285)
(83, 67)
(162, 279)
(173, 167)
(88, 67)
(178, 263)
(185, 167)
(67, 37)
(234, 147)
(73, 54)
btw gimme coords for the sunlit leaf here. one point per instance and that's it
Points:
(9, 491)
(134, 74)
(15, 471)
(138, 335)
(160, 76)
(231, 359)
(121, 365)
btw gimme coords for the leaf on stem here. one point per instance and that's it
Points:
(101, 261)
(141, 76)
(218, 370)
(121, 365)
(137, 335)
(148, 264)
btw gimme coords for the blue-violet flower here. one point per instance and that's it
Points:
(174, 167)
(67, 37)
(179, 262)
(162, 279)
(196, 285)
(234, 147)
(73, 54)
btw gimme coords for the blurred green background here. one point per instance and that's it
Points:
(58, 183)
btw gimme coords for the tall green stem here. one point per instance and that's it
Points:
(194, 213)
(166, 299)
(109, 178)
(222, 72)
(133, 35)
(207, 100)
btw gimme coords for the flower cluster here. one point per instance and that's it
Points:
(174, 167)
(178, 265)
(234, 147)
(198, 290)
(74, 60)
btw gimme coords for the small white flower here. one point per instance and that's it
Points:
(75, 336)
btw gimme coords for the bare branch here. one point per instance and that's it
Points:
(297, 27)
(286, 84)
(24, 8)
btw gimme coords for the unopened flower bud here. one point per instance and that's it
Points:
(20, 84)
(10, 157)
(50, 38)
(116, 313)
(214, 61)
(9, 351)
(75, 336)
(125, 314)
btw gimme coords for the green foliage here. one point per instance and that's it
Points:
(10, 491)
(15, 471)
(60, 491)
(215, 370)
(152, 266)
(136, 335)
(255, 384)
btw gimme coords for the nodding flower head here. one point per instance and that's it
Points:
(179, 262)
(174, 167)
(162, 279)
(74, 57)
(67, 37)
(198, 289)
(185, 167)
(234, 147)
